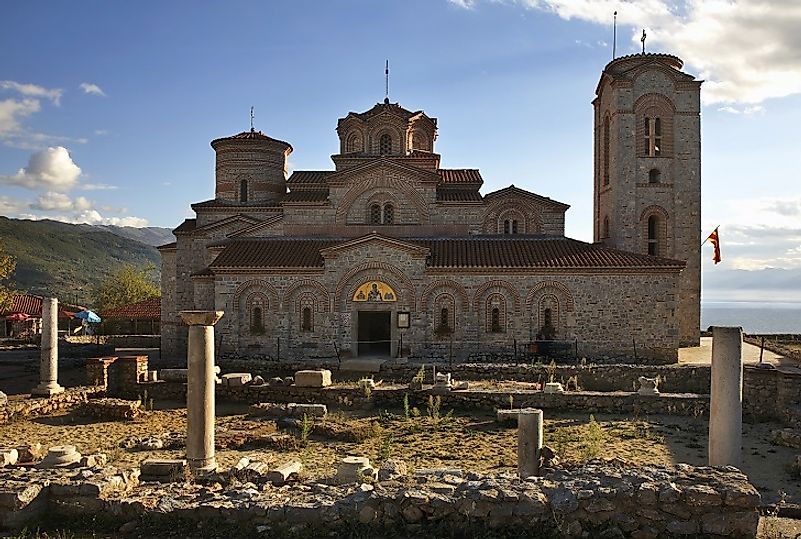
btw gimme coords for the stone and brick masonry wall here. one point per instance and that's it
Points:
(35, 407)
(599, 499)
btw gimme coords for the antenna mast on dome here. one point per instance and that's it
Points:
(386, 82)
(614, 36)
(251, 120)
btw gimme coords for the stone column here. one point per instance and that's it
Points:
(726, 397)
(48, 367)
(200, 389)
(529, 442)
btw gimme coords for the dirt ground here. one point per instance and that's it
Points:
(471, 441)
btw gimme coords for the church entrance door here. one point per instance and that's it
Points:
(375, 333)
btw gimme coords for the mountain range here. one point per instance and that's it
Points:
(68, 260)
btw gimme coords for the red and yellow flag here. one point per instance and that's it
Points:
(714, 239)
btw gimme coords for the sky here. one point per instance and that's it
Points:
(107, 108)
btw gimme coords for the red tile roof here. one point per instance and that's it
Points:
(534, 252)
(221, 203)
(458, 195)
(149, 309)
(251, 135)
(32, 306)
(273, 253)
(306, 196)
(309, 176)
(460, 175)
(513, 190)
(187, 226)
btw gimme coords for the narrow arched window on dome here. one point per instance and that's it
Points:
(385, 144)
(654, 176)
(507, 226)
(514, 226)
(375, 214)
(243, 191)
(389, 214)
(653, 235)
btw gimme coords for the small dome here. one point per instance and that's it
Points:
(251, 135)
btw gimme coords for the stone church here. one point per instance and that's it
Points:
(390, 255)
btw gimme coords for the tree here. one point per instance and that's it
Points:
(7, 265)
(128, 284)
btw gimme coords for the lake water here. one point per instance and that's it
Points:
(754, 317)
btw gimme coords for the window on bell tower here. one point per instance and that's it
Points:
(653, 235)
(653, 136)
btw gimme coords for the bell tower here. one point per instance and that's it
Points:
(647, 168)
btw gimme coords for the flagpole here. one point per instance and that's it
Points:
(707, 238)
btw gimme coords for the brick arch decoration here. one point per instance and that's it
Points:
(393, 184)
(375, 271)
(531, 225)
(553, 287)
(663, 245)
(257, 286)
(654, 104)
(395, 133)
(452, 287)
(322, 300)
(353, 134)
(510, 291)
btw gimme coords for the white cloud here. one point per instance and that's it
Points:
(94, 89)
(53, 94)
(101, 132)
(52, 201)
(96, 187)
(51, 168)
(464, 4)
(11, 111)
(747, 51)
(10, 206)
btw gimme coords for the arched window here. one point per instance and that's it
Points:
(514, 226)
(375, 214)
(654, 176)
(605, 233)
(507, 226)
(653, 235)
(243, 191)
(495, 323)
(256, 321)
(354, 143)
(444, 319)
(385, 144)
(306, 323)
(389, 214)
(653, 136)
(606, 150)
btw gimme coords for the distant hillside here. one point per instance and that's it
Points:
(68, 260)
(151, 235)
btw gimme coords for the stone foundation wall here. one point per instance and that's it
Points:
(601, 499)
(119, 341)
(772, 394)
(618, 377)
(35, 407)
